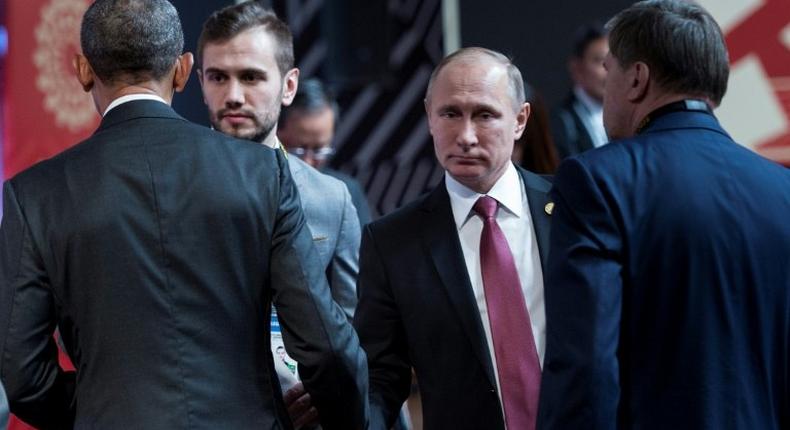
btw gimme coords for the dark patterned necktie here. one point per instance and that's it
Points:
(517, 359)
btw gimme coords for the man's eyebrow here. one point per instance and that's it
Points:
(475, 108)
(249, 70)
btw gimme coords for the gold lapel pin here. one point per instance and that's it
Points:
(549, 208)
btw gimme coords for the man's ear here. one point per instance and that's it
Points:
(427, 105)
(184, 64)
(83, 71)
(521, 119)
(290, 84)
(638, 76)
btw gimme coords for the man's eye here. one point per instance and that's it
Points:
(448, 114)
(216, 78)
(251, 78)
(486, 116)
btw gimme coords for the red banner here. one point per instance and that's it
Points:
(46, 110)
(765, 32)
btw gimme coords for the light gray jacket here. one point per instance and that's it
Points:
(332, 219)
(3, 409)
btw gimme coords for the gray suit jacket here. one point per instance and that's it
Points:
(332, 220)
(3, 409)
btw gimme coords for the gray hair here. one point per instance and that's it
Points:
(515, 81)
(680, 42)
(131, 40)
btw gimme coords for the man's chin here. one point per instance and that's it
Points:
(239, 133)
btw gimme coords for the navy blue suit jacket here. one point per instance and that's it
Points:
(668, 285)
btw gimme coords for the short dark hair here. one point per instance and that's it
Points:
(312, 96)
(680, 42)
(131, 41)
(515, 81)
(584, 36)
(228, 22)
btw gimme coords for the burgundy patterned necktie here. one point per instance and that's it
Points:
(517, 359)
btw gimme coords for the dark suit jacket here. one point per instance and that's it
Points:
(668, 286)
(417, 309)
(570, 135)
(156, 247)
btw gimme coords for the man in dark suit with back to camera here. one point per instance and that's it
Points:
(156, 246)
(452, 284)
(668, 283)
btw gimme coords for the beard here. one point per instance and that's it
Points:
(262, 125)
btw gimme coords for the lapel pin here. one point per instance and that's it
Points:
(549, 208)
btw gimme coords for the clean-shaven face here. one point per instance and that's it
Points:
(473, 121)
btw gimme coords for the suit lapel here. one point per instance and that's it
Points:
(441, 238)
(537, 195)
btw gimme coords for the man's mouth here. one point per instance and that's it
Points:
(236, 117)
(464, 159)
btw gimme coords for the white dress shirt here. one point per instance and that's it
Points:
(132, 97)
(515, 221)
(592, 117)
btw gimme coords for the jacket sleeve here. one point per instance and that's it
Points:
(38, 391)
(584, 288)
(380, 327)
(344, 267)
(316, 332)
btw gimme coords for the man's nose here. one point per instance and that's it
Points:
(467, 135)
(234, 97)
(310, 159)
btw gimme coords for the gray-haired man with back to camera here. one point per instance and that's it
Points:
(668, 288)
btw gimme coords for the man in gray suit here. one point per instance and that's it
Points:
(246, 70)
(156, 247)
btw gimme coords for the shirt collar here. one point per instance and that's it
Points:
(589, 103)
(506, 190)
(132, 97)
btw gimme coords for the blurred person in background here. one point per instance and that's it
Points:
(577, 124)
(307, 127)
(535, 150)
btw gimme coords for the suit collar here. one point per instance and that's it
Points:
(506, 191)
(132, 97)
(685, 120)
(138, 109)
